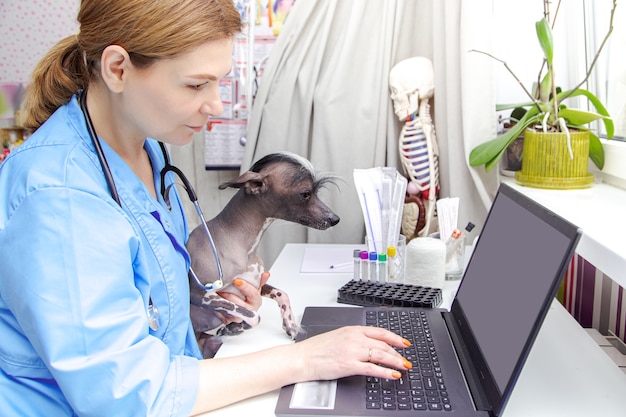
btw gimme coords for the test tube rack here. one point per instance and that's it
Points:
(368, 293)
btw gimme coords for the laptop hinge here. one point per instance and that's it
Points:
(469, 372)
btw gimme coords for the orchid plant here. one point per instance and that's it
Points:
(546, 110)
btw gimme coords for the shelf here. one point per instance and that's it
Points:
(600, 212)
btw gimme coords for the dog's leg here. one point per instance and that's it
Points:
(208, 344)
(246, 319)
(282, 299)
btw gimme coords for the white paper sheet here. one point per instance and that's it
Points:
(328, 260)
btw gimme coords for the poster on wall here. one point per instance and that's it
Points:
(225, 136)
(222, 150)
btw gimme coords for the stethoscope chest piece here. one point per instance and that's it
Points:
(153, 317)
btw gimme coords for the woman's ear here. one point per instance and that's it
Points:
(114, 64)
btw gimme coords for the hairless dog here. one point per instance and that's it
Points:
(278, 186)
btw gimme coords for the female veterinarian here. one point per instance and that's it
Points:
(90, 248)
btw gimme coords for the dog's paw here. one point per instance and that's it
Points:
(290, 326)
(234, 329)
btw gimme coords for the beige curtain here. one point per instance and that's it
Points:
(464, 102)
(190, 159)
(325, 96)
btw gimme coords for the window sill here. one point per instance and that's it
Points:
(614, 171)
(599, 212)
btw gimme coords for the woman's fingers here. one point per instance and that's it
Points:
(357, 350)
(252, 296)
(386, 336)
(265, 276)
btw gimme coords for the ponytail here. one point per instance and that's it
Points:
(168, 28)
(57, 77)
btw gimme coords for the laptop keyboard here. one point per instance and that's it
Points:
(421, 387)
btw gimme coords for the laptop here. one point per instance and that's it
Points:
(479, 346)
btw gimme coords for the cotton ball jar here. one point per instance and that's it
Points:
(425, 262)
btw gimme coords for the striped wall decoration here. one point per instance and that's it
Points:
(593, 298)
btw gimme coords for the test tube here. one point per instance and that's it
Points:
(363, 267)
(452, 244)
(356, 270)
(373, 267)
(382, 267)
(392, 253)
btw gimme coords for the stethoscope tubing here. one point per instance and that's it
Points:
(216, 285)
(96, 143)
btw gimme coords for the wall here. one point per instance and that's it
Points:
(594, 299)
(28, 29)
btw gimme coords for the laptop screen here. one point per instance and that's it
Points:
(503, 296)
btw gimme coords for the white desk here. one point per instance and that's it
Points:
(564, 361)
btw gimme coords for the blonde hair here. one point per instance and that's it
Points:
(149, 30)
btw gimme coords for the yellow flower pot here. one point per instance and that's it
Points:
(547, 162)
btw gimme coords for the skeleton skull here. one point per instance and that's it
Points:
(410, 80)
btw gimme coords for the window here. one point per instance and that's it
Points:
(608, 79)
(579, 31)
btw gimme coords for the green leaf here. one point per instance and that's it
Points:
(608, 122)
(486, 151)
(489, 153)
(596, 150)
(546, 87)
(518, 113)
(544, 34)
(500, 107)
(579, 117)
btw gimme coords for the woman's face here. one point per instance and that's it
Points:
(173, 99)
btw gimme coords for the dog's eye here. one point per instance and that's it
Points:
(305, 195)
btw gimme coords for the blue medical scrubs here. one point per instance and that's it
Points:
(77, 272)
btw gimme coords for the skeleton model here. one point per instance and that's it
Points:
(412, 84)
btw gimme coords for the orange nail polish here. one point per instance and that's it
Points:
(396, 374)
(406, 342)
(237, 282)
(407, 364)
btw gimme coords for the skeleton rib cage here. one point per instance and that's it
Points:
(419, 154)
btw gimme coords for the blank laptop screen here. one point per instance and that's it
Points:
(502, 285)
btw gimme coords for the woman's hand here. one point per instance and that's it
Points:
(354, 350)
(252, 296)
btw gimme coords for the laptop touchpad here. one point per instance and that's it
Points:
(318, 395)
(314, 330)
(314, 395)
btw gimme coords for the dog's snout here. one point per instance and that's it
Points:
(327, 222)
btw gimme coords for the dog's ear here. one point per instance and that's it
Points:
(254, 182)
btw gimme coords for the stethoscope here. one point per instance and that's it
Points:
(153, 313)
